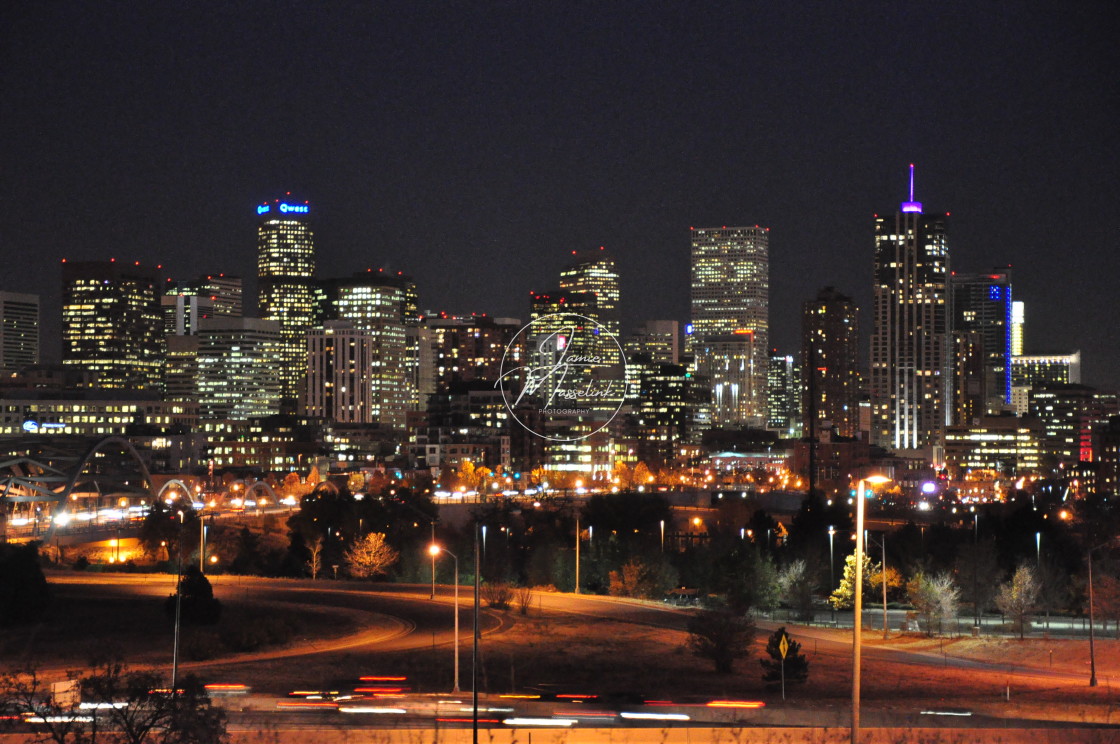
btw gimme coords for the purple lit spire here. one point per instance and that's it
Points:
(911, 206)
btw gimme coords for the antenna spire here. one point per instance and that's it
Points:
(911, 206)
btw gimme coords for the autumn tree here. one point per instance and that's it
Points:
(844, 596)
(370, 556)
(648, 579)
(1017, 598)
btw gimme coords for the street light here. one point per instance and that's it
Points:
(857, 620)
(434, 550)
(1092, 650)
(831, 557)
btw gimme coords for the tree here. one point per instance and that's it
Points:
(934, 597)
(978, 573)
(720, 636)
(641, 475)
(1106, 599)
(796, 588)
(370, 556)
(198, 605)
(132, 707)
(315, 562)
(1017, 598)
(24, 594)
(1054, 588)
(649, 579)
(796, 665)
(844, 596)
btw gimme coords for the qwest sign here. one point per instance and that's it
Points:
(285, 208)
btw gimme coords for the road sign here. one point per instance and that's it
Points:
(783, 645)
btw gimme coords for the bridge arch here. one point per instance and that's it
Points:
(63, 496)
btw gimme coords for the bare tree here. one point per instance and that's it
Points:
(1018, 598)
(315, 563)
(934, 598)
(524, 598)
(796, 587)
(370, 556)
(128, 707)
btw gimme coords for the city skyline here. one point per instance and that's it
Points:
(478, 160)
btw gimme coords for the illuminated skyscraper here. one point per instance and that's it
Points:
(830, 363)
(594, 272)
(784, 395)
(225, 293)
(19, 331)
(730, 319)
(982, 320)
(111, 323)
(369, 312)
(238, 369)
(286, 285)
(911, 374)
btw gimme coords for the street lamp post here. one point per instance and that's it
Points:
(577, 554)
(434, 550)
(857, 620)
(831, 557)
(1092, 648)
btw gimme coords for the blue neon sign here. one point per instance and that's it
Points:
(285, 208)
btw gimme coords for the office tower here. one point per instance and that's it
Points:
(653, 343)
(111, 322)
(729, 332)
(1018, 320)
(1069, 415)
(238, 368)
(184, 304)
(376, 307)
(180, 376)
(226, 295)
(784, 395)
(1007, 446)
(594, 272)
(19, 331)
(286, 285)
(911, 375)
(669, 411)
(346, 382)
(659, 339)
(830, 375)
(982, 324)
(467, 348)
(1035, 370)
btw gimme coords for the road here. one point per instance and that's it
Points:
(405, 617)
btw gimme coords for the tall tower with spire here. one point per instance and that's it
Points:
(911, 375)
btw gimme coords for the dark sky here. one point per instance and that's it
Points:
(474, 145)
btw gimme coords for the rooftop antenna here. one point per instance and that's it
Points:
(911, 206)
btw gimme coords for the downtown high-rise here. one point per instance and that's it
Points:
(111, 323)
(594, 272)
(19, 331)
(830, 363)
(729, 330)
(286, 285)
(911, 374)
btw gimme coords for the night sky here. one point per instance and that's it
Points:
(475, 145)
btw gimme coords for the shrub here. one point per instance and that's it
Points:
(498, 595)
